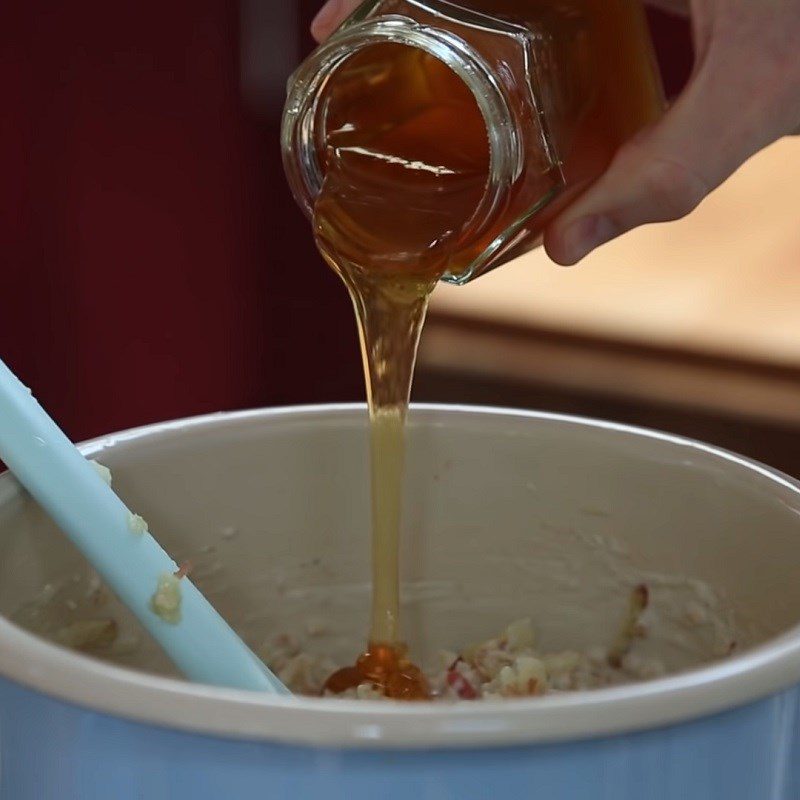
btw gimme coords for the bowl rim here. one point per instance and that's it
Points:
(82, 681)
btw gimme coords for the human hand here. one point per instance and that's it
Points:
(744, 94)
(331, 15)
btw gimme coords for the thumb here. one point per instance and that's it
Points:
(735, 104)
(330, 16)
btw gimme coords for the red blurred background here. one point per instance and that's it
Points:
(154, 263)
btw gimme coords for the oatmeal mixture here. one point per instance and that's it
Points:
(507, 666)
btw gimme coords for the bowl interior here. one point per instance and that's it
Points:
(507, 515)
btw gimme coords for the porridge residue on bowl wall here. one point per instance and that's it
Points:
(633, 624)
(78, 612)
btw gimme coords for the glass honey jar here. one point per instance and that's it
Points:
(494, 112)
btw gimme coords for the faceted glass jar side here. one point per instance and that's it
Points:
(560, 83)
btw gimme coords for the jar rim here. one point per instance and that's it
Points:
(297, 131)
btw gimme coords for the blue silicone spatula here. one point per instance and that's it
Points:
(69, 488)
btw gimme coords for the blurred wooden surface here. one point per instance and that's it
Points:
(725, 280)
(692, 326)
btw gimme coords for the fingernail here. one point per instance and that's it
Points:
(326, 18)
(586, 234)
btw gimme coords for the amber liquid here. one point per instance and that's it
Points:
(404, 173)
(406, 161)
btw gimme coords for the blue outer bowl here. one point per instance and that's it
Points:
(53, 750)
(74, 728)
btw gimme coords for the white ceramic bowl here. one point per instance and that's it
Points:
(508, 514)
